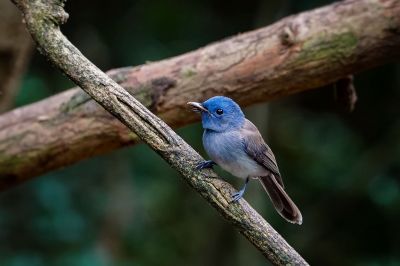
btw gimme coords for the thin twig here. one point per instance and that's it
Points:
(15, 52)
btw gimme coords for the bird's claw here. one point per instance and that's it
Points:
(237, 196)
(205, 164)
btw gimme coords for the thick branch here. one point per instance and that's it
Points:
(300, 52)
(42, 18)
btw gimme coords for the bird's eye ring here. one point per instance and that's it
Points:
(219, 112)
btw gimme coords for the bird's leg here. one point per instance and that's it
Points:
(238, 195)
(205, 164)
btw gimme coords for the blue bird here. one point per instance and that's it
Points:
(235, 144)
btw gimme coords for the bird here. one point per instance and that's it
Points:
(235, 144)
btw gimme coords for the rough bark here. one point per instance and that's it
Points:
(15, 47)
(300, 52)
(42, 18)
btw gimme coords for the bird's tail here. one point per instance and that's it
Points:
(282, 203)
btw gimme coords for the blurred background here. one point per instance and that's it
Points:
(130, 208)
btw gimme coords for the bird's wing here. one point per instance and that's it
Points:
(257, 149)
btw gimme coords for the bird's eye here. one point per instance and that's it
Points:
(219, 112)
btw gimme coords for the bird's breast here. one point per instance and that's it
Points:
(227, 150)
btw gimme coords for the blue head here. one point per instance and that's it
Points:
(219, 114)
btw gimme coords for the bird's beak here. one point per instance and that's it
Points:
(197, 107)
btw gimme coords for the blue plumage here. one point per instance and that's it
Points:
(223, 114)
(235, 144)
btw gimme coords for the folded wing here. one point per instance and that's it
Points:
(258, 150)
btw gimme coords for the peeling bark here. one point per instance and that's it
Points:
(300, 52)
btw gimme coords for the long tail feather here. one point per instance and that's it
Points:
(281, 201)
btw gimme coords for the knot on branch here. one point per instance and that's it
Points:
(44, 10)
(160, 86)
(53, 10)
(288, 35)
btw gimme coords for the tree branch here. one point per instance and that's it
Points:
(300, 52)
(42, 18)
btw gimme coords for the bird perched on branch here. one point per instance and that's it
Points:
(235, 144)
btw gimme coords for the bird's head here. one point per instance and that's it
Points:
(219, 114)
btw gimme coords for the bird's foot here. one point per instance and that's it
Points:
(205, 164)
(237, 196)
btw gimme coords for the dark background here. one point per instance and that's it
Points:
(130, 208)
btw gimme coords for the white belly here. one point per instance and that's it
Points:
(226, 149)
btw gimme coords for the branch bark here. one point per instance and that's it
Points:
(43, 18)
(301, 52)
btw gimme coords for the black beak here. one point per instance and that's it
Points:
(197, 107)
